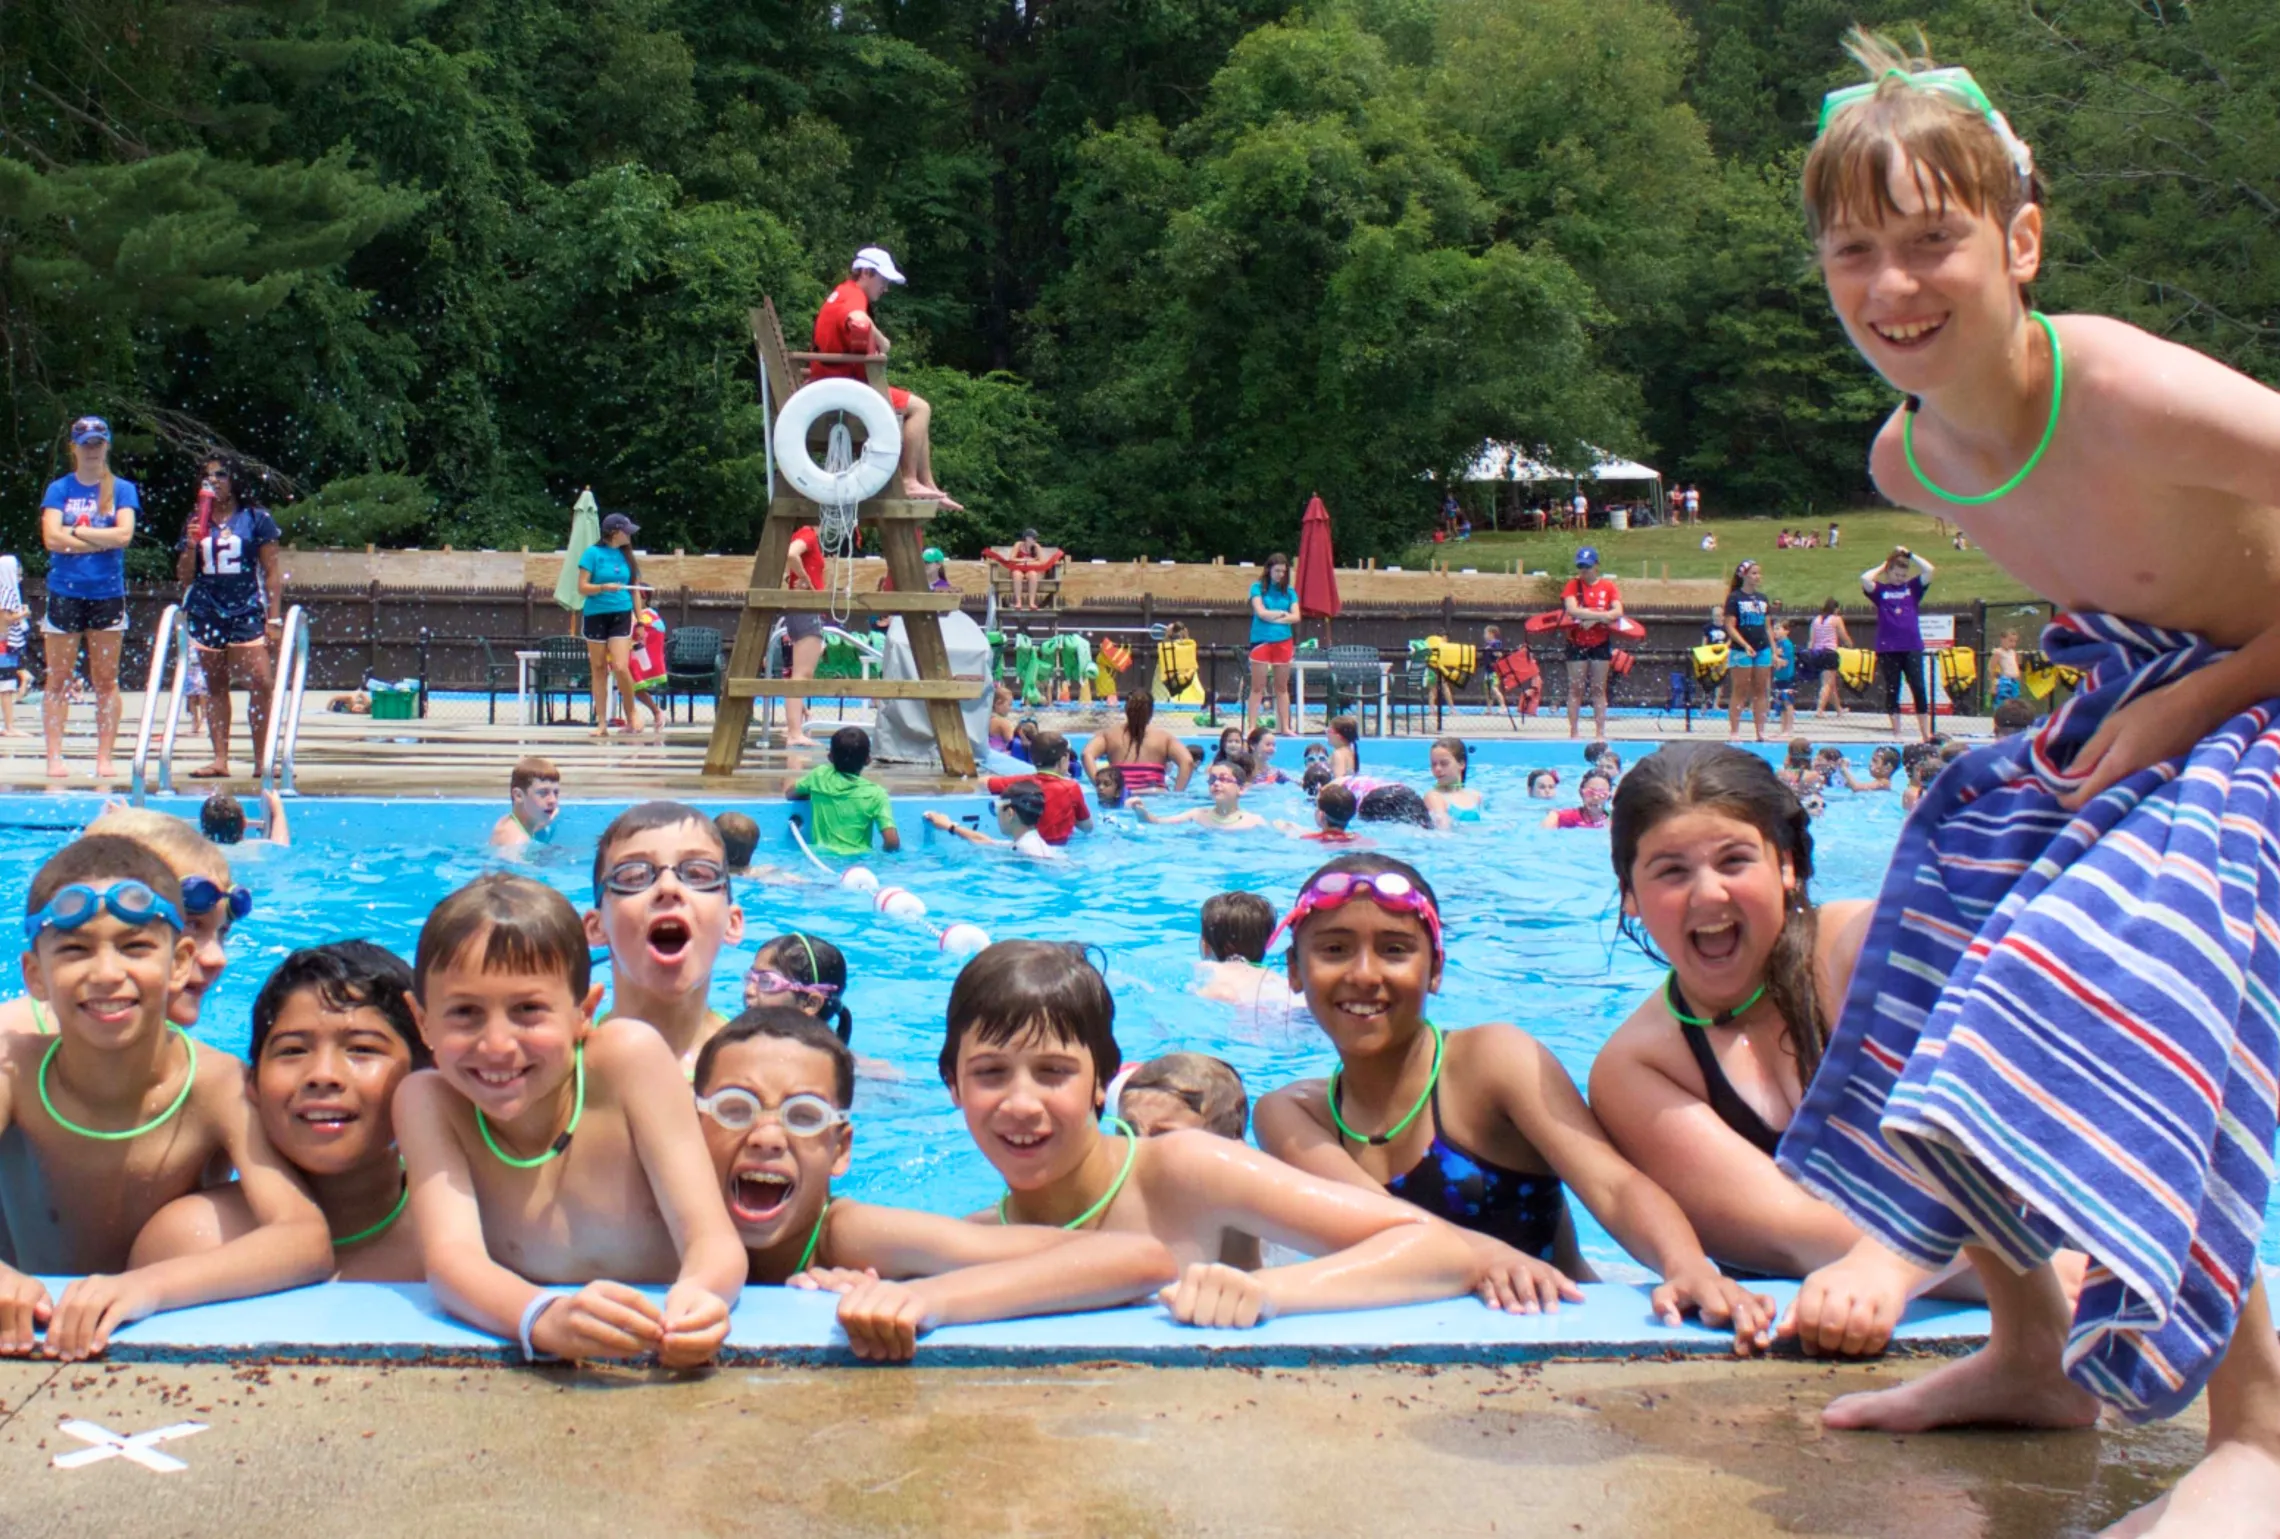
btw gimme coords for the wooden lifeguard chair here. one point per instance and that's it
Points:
(901, 526)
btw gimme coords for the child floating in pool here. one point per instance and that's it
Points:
(2060, 1033)
(333, 1037)
(1593, 793)
(534, 798)
(1029, 1051)
(1334, 810)
(1225, 815)
(774, 1087)
(120, 1113)
(222, 819)
(1019, 811)
(663, 910)
(1481, 1127)
(843, 807)
(1451, 801)
(570, 1146)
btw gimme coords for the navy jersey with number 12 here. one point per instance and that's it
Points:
(229, 559)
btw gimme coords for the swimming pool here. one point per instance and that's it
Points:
(1531, 918)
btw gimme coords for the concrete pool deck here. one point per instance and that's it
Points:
(1600, 1449)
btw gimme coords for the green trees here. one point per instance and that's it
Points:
(1176, 263)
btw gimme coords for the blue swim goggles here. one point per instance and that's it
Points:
(200, 894)
(129, 902)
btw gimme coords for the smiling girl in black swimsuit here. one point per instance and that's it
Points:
(1480, 1127)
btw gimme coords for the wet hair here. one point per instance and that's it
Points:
(645, 818)
(850, 750)
(1241, 762)
(1047, 749)
(2014, 715)
(1688, 777)
(1257, 735)
(527, 928)
(1950, 149)
(1226, 747)
(1336, 802)
(1026, 801)
(1209, 1087)
(1365, 864)
(1139, 710)
(102, 860)
(805, 958)
(1914, 754)
(1594, 773)
(1236, 926)
(1019, 986)
(531, 770)
(1535, 775)
(1800, 752)
(1347, 731)
(739, 837)
(1888, 756)
(1927, 770)
(1315, 779)
(1394, 804)
(344, 975)
(221, 818)
(182, 847)
(1116, 780)
(1595, 750)
(783, 1024)
(1457, 751)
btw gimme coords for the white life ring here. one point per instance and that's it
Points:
(873, 468)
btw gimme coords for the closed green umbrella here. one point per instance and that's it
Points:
(585, 533)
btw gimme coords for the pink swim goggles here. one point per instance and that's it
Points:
(1389, 890)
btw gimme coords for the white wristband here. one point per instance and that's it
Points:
(538, 1305)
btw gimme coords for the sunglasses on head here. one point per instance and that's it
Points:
(703, 873)
(1389, 890)
(200, 895)
(129, 902)
(803, 1115)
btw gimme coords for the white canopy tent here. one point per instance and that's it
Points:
(1510, 464)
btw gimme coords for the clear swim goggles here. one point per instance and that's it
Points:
(700, 874)
(1389, 890)
(803, 1115)
(201, 894)
(129, 902)
(1953, 82)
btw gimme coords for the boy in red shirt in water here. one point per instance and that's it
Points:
(844, 325)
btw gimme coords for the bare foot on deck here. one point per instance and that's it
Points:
(105, 770)
(214, 771)
(1985, 1389)
(2233, 1493)
(801, 741)
(57, 770)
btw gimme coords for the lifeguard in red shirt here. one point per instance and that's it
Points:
(844, 325)
(1592, 604)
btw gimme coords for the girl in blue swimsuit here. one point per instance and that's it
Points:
(1480, 1127)
(1451, 800)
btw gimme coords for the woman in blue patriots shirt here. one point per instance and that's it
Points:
(87, 519)
(235, 603)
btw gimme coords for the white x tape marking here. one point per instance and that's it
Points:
(142, 1448)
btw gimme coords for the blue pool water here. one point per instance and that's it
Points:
(1531, 915)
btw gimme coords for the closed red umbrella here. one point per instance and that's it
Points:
(1317, 570)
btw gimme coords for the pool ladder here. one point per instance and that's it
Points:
(173, 639)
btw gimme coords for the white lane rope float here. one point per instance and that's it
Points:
(958, 938)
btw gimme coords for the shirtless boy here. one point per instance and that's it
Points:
(534, 796)
(120, 1113)
(663, 909)
(568, 1149)
(774, 1087)
(2116, 942)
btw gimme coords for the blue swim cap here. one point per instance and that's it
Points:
(1588, 556)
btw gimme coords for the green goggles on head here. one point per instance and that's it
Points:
(1953, 82)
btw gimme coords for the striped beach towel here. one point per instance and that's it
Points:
(2065, 1027)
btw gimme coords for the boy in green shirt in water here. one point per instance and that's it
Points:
(843, 806)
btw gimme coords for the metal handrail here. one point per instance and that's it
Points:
(172, 635)
(285, 695)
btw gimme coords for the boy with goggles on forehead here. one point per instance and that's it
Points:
(663, 909)
(120, 1113)
(2060, 1033)
(773, 1088)
(1479, 1127)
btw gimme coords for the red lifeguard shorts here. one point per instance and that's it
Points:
(1274, 651)
(898, 398)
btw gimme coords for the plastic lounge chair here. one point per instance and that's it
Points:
(693, 665)
(560, 669)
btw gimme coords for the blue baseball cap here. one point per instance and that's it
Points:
(1588, 556)
(88, 429)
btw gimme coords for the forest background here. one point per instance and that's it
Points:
(1175, 264)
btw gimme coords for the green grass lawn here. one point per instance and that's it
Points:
(1796, 577)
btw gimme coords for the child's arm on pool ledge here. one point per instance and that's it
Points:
(604, 1319)
(24, 1302)
(671, 1146)
(1370, 1250)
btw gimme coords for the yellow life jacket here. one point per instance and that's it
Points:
(1856, 667)
(1710, 663)
(1455, 661)
(1175, 665)
(1959, 670)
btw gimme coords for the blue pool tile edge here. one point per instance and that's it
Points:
(384, 1323)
